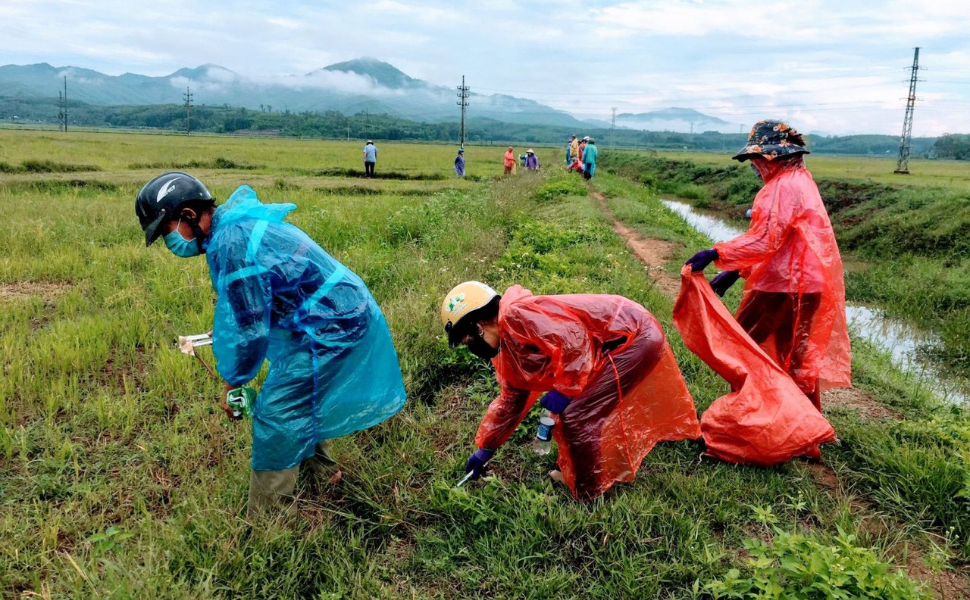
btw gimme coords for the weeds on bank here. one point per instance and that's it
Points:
(798, 566)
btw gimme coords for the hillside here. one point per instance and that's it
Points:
(675, 119)
(361, 85)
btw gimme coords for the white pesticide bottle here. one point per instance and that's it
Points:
(542, 445)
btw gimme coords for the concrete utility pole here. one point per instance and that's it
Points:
(463, 103)
(60, 110)
(188, 110)
(65, 103)
(902, 165)
(613, 128)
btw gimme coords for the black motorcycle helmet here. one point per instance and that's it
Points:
(161, 198)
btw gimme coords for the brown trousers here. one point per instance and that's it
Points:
(789, 318)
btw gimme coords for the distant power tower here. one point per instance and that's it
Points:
(613, 128)
(902, 165)
(463, 103)
(188, 110)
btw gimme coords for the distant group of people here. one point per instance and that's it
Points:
(581, 156)
(531, 161)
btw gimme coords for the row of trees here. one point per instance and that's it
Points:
(953, 146)
(331, 124)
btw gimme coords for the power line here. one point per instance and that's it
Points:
(902, 165)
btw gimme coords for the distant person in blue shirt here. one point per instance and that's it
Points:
(370, 158)
(460, 163)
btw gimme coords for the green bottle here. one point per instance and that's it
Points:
(241, 400)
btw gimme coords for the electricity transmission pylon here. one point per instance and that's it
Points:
(902, 165)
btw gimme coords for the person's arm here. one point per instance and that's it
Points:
(766, 234)
(503, 416)
(240, 335)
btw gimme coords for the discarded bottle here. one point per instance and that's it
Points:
(241, 400)
(543, 442)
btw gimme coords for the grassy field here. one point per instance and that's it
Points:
(923, 173)
(120, 478)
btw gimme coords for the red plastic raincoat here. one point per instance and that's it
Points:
(794, 294)
(509, 159)
(611, 357)
(766, 419)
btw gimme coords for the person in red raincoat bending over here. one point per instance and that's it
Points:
(609, 377)
(794, 294)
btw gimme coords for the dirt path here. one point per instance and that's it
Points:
(653, 253)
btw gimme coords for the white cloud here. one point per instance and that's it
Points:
(286, 23)
(831, 64)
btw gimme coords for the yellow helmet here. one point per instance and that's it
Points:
(464, 298)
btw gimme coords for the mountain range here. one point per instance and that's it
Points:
(675, 119)
(363, 85)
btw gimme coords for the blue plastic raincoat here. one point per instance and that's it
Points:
(589, 158)
(333, 369)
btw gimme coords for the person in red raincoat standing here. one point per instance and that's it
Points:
(610, 378)
(793, 304)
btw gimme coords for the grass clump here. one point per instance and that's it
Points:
(917, 468)
(394, 175)
(559, 187)
(220, 162)
(44, 166)
(800, 566)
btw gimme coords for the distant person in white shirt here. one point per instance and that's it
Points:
(370, 158)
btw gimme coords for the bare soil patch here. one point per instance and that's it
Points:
(22, 290)
(859, 401)
(653, 253)
(945, 585)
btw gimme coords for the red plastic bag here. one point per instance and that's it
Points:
(767, 419)
(794, 293)
(611, 357)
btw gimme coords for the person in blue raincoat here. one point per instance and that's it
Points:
(333, 368)
(589, 159)
(460, 163)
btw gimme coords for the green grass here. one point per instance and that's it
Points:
(923, 173)
(120, 478)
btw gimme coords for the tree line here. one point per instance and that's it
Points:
(335, 125)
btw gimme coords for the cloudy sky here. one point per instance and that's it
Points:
(831, 66)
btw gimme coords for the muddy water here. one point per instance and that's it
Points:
(905, 344)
